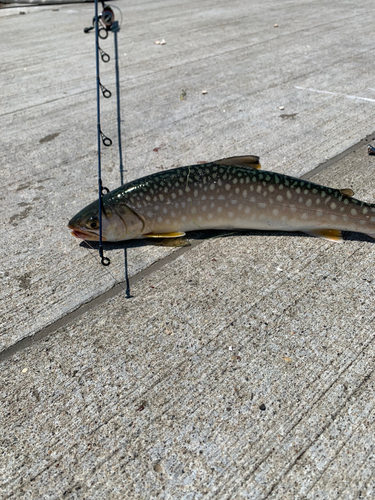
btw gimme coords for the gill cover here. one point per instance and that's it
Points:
(133, 222)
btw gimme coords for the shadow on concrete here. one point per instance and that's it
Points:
(210, 234)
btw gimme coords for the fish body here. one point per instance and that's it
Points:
(227, 194)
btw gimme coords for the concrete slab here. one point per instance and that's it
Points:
(243, 368)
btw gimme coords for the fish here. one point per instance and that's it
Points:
(231, 194)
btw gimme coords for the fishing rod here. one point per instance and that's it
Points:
(104, 23)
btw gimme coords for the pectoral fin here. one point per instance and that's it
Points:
(249, 161)
(327, 234)
(347, 192)
(177, 234)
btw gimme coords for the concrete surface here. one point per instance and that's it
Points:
(243, 368)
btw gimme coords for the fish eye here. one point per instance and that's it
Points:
(93, 223)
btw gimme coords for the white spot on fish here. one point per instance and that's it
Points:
(298, 190)
(187, 189)
(174, 196)
(353, 211)
(195, 192)
(237, 190)
(293, 208)
(219, 182)
(304, 216)
(204, 208)
(219, 210)
(279, 198)
(209, 216)
(262, 205)
(271, 189)
(309, 203)
(161, 197)
(150, 214)
(234, 181)
(227, 187)
(165, 210)
(333, 217)
(173, 214)
(247, 210)
(193, 210)
(362, 221)
(212, 205)
(241, 181)
(275, 211)
(204, 198)
(365, 210)
(160, 219)
(247, 180)
(244, 192)
(259, 189)
(288, 194)
(319, 213)
(281, 186)
(180, 192)
(317, 201)
(230, 214)
(300, 199)
(333, 205)
(183, 218)
(221, 197)
(183, 204)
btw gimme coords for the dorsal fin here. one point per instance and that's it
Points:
(249, 161)
(347, 192)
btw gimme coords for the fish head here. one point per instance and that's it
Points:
(118, 223)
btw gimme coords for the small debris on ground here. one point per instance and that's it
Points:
(160, 42)
(281, 107)
(183, 95)
(275, 25)
(204, 92)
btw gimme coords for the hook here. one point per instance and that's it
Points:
(105, 261)
(105, 190)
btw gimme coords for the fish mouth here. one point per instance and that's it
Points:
(85, 235)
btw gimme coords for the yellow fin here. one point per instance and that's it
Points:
(171, 242)
(347, 192)
(327, 234)
(177, 234)
(249, 161)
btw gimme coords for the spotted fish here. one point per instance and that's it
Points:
(232, 193)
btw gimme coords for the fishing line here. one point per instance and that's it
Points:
(127, 289)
